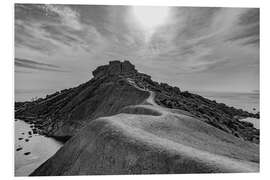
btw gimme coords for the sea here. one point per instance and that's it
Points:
(247, 101)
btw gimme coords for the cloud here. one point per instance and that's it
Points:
(250, 16)
(248, 30)
(30, 64)
(196, 39)
(203, 66)
(193, 41)
(248, 35)
(31, 35)
(51, 29)
(23, 72)
(68, 16)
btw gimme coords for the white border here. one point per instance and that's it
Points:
(7, 86)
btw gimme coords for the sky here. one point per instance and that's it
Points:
(194, 48)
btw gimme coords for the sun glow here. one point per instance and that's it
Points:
(150, 17)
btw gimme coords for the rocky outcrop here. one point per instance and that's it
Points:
(123, 122)
(114, 68)
(216, 114)
(63, 113)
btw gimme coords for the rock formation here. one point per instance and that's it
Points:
(61, 114)
(123, 122)
(115, 68)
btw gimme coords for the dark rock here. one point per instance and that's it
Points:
(20, 138)
(247, 124)
(27, 153)
(29, 132)
(176, 90)
(26, 140)
(18, 149)
(35, 131)
(166, 87)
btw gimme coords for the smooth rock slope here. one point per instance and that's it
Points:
(159, 142)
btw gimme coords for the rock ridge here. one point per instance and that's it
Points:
(63, 113)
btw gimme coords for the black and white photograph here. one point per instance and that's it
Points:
(135, 89)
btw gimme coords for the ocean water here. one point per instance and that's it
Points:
(28, 95)
(246, 101)
(31, 150)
